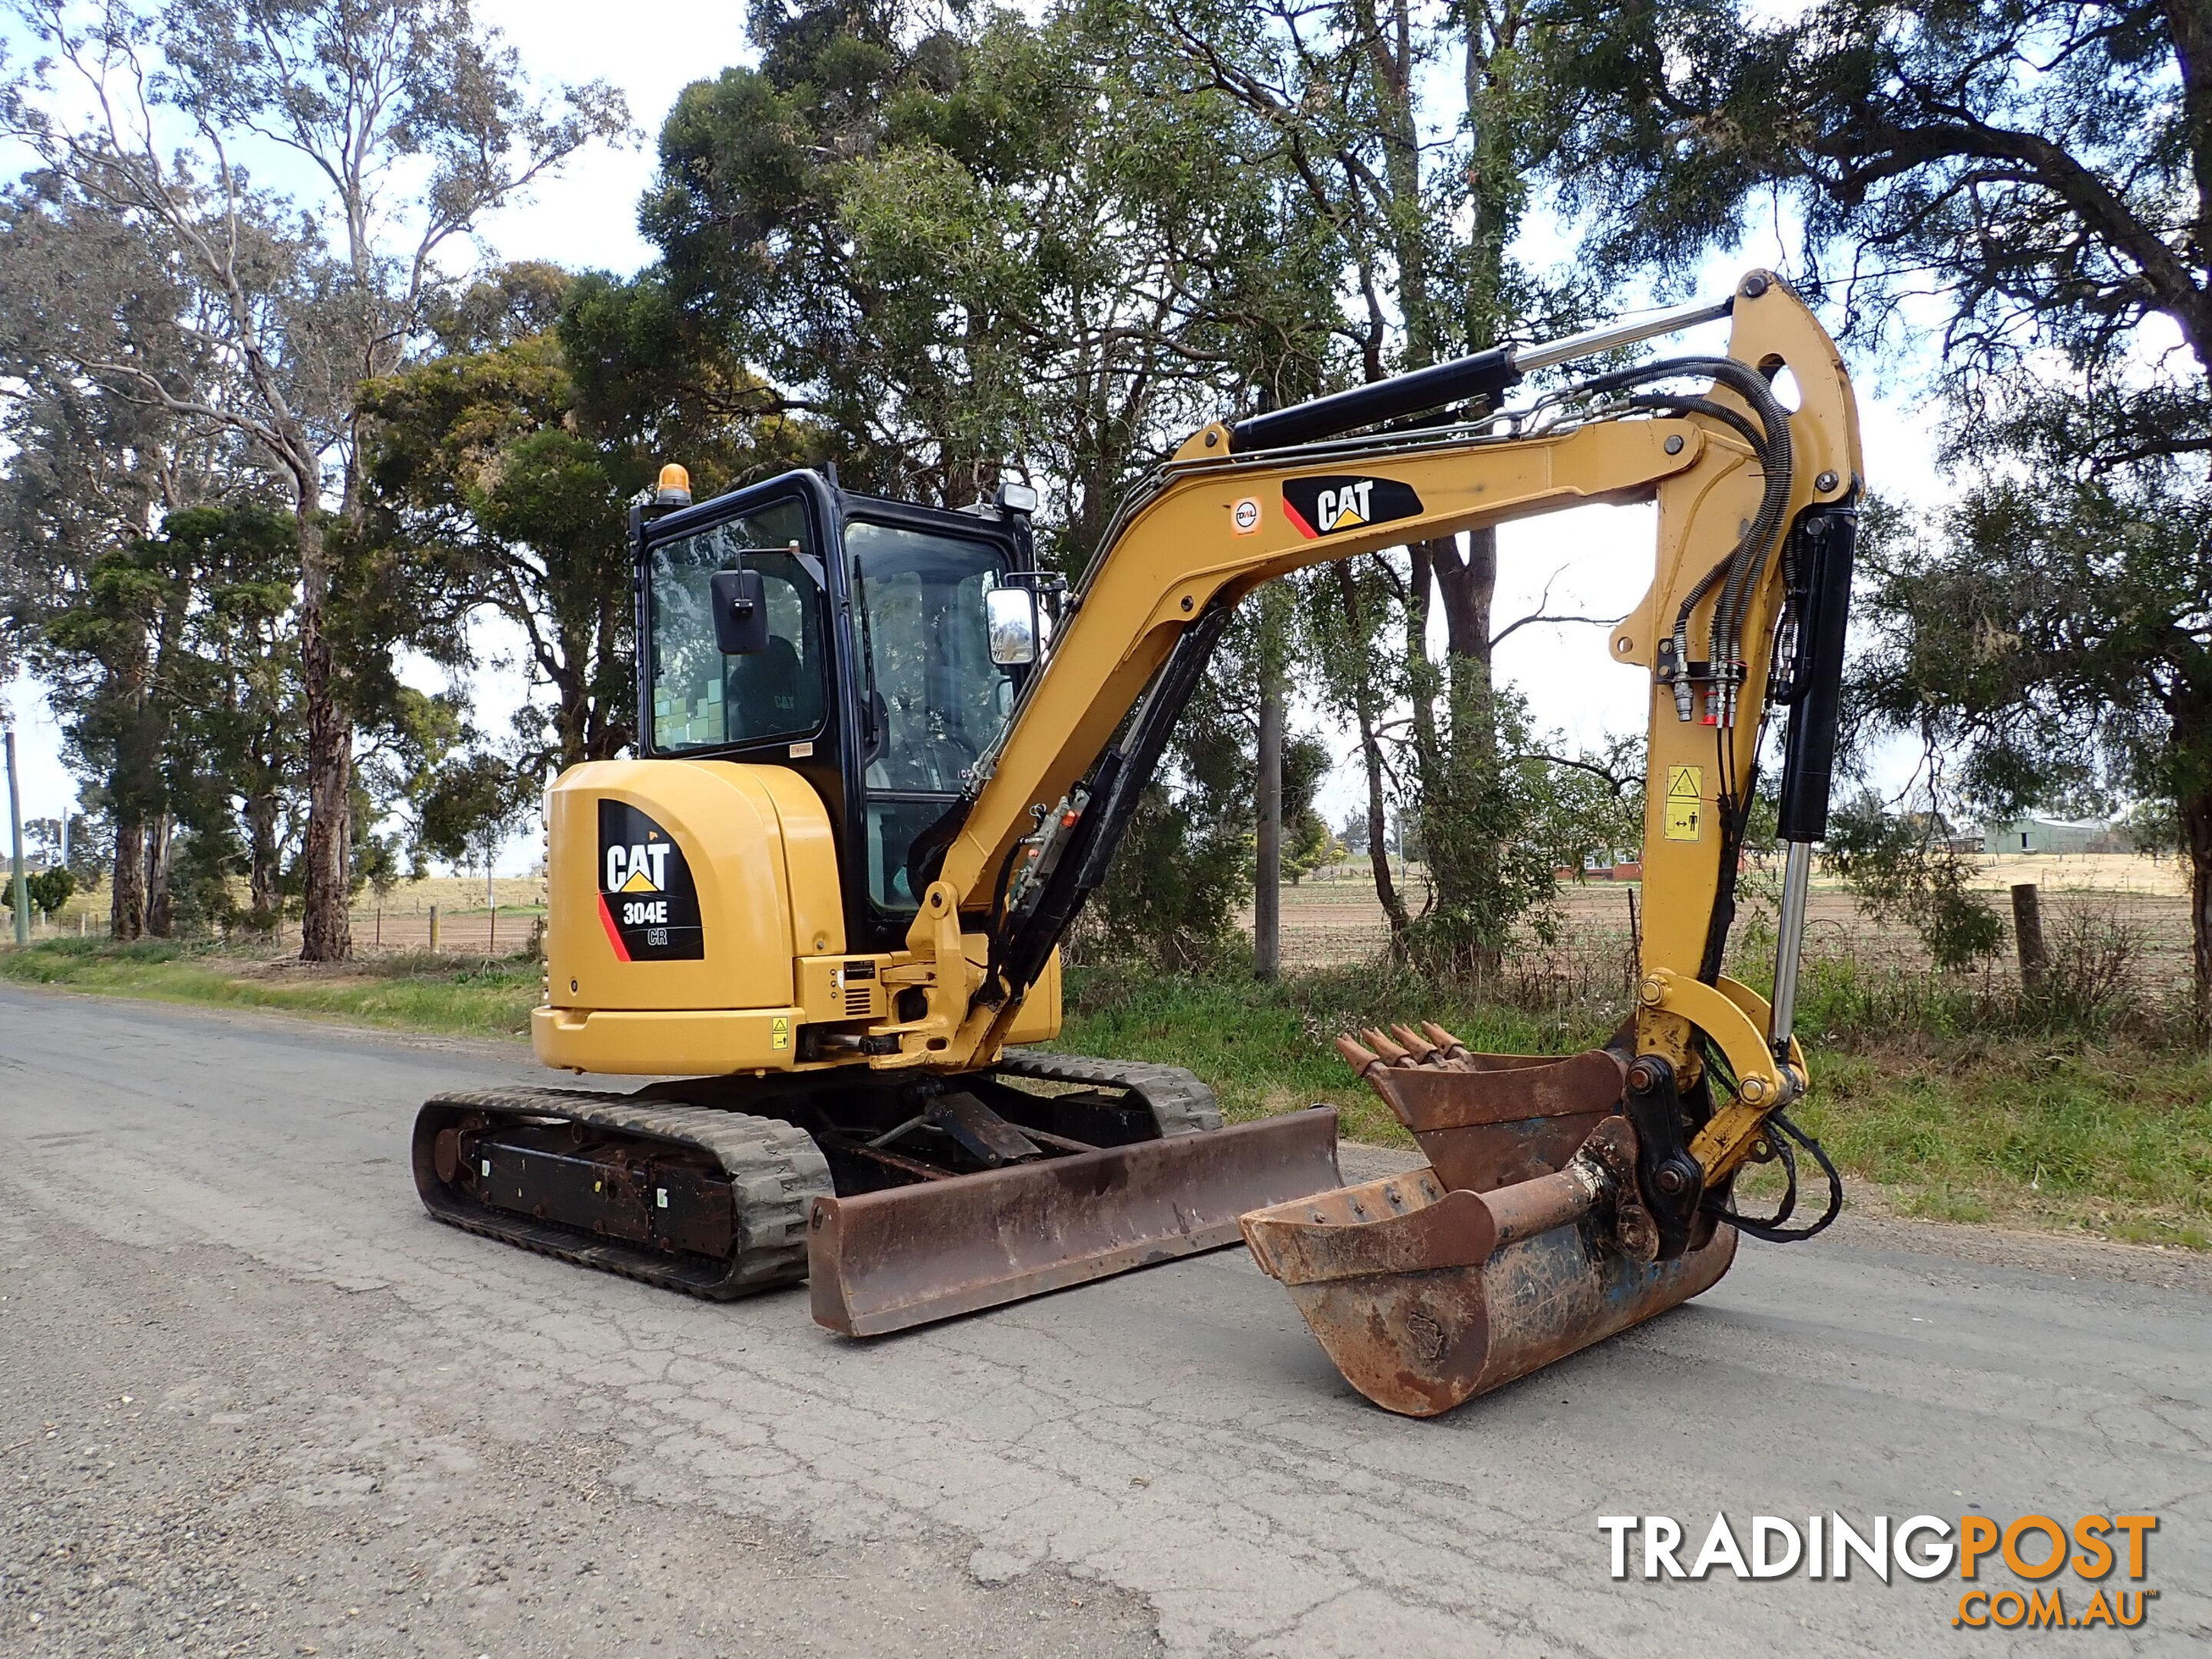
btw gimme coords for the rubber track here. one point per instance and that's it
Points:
(775, 1173)
(1179, 1103)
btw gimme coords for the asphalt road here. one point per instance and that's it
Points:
(253, 1400)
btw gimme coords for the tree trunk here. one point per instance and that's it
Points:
(1459, 754)
(325, 933)
(1268, 888)
(2196, 835)
(156, 730)
(1421, 682)
(262, 892)
(1463, 854)
(1469, 587)
(1393, 58)
(1378, 838)
(573, 721)
(1365, 701)
(127, 908)
(615, 675)
(161, 910)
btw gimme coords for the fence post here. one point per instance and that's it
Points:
(2027, 936)
(434, 930)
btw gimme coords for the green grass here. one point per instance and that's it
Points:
(1267, 1048)
(452, 996)
(2109, 1133)
(2112, 1134)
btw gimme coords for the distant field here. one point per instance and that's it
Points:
(1333, 918)
(1934, 1107)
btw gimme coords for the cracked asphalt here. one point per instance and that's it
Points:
(253, 1400)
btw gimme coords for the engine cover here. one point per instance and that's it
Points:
(683, 897)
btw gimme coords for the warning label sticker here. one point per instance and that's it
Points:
(779, 1033)
(1686, 804)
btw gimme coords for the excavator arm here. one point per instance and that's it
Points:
(1565, 1198)
(1751, 498)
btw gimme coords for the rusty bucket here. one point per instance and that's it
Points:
(1523, 1242)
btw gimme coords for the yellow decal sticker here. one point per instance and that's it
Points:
(1686, 806)
(779, 1033)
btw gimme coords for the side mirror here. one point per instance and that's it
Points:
(739, 600)
(1010, 617)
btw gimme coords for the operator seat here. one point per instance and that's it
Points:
(771, 694)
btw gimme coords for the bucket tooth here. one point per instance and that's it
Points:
(1360, 1060)
(1454, 1049)
(1424, 1296)
(1377, 1072)
(1391, 1052)
(1422, 1051)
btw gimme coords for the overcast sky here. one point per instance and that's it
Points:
(1597, 559)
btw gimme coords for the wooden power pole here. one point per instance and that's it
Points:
(15, 830)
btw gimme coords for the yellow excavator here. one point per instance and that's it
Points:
(884, 758)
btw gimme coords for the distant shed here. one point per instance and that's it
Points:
(2051, 835)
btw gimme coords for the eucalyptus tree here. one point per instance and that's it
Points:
(491, 465)
(953, 247)
(89, 475)
(1401, 139)
(409, 121)
(2031, 183)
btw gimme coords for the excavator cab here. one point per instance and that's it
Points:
(867, 669)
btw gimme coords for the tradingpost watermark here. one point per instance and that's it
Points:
(2108, 1558)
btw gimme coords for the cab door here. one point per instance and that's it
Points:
(932, 703)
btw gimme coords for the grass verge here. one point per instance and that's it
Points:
(451, 996)
(2110, 1135)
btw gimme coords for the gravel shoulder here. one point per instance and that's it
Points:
(229, 1459)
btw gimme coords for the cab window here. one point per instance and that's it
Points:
(703, 699)
(935, 699)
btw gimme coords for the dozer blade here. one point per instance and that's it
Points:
(884, 1260)
(1522, 1243)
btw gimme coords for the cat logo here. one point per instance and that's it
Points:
(1334, 504)
(640, 869)
(648, 903)
(1343, 509)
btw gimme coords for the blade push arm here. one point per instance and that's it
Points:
(1215, 524)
